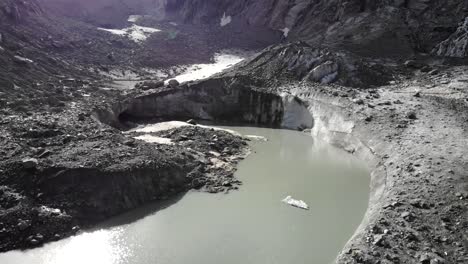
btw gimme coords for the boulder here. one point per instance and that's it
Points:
(411, 115)
(413, 64)
(30, 163)
(23, 224)
(148, 85)
(192, 122)
(173, 83)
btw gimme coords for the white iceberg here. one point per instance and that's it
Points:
(256, 138)
(296, 203)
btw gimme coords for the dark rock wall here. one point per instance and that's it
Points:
(17, 10)
(302, 62)
(214, 100)
(377, 28)
(102, 194)
(373, 28)
(457, 44)
(105, 13)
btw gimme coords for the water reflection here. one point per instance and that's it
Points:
(251, 225)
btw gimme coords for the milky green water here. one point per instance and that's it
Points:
(249, 226)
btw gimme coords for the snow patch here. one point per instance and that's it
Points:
(202, 71)
(2, 49)
(163, 126)
(296, 203)
(285, 32)
(225, 20)
(154, 139)
(23, 59)
(135, 32)
(134, 18)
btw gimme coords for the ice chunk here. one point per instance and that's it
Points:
(256, 138)
(296, 203)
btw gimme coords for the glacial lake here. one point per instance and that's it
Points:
(248, 226)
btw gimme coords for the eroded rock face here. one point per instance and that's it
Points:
(216, 99)
(380, 28)
(303, 62)
(106, 13)
(17, 10)
(457, 44)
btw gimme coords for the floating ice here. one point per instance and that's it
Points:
(296, 203)
(256, 138)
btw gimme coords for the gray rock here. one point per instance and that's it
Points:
(413, 64)
(30, 163)
(324, 73)
(412, 115)
(148, 85)
(23, 224)
(173, 83)
(359, 101)
(191, 121)
(456, 45)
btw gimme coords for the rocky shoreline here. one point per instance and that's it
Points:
(417, 209)
(76, 180)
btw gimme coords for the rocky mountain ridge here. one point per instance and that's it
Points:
(372, 28)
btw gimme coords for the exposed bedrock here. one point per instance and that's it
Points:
(250, 92)
(457, 44)
(373, 28)
(380, 28)
(299, 61)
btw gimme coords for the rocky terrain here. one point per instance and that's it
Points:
(385, 80)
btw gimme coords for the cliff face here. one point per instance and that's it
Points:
(457, 44)
(372, 28)
(380, 28)
(106, 13)
(18, 10)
